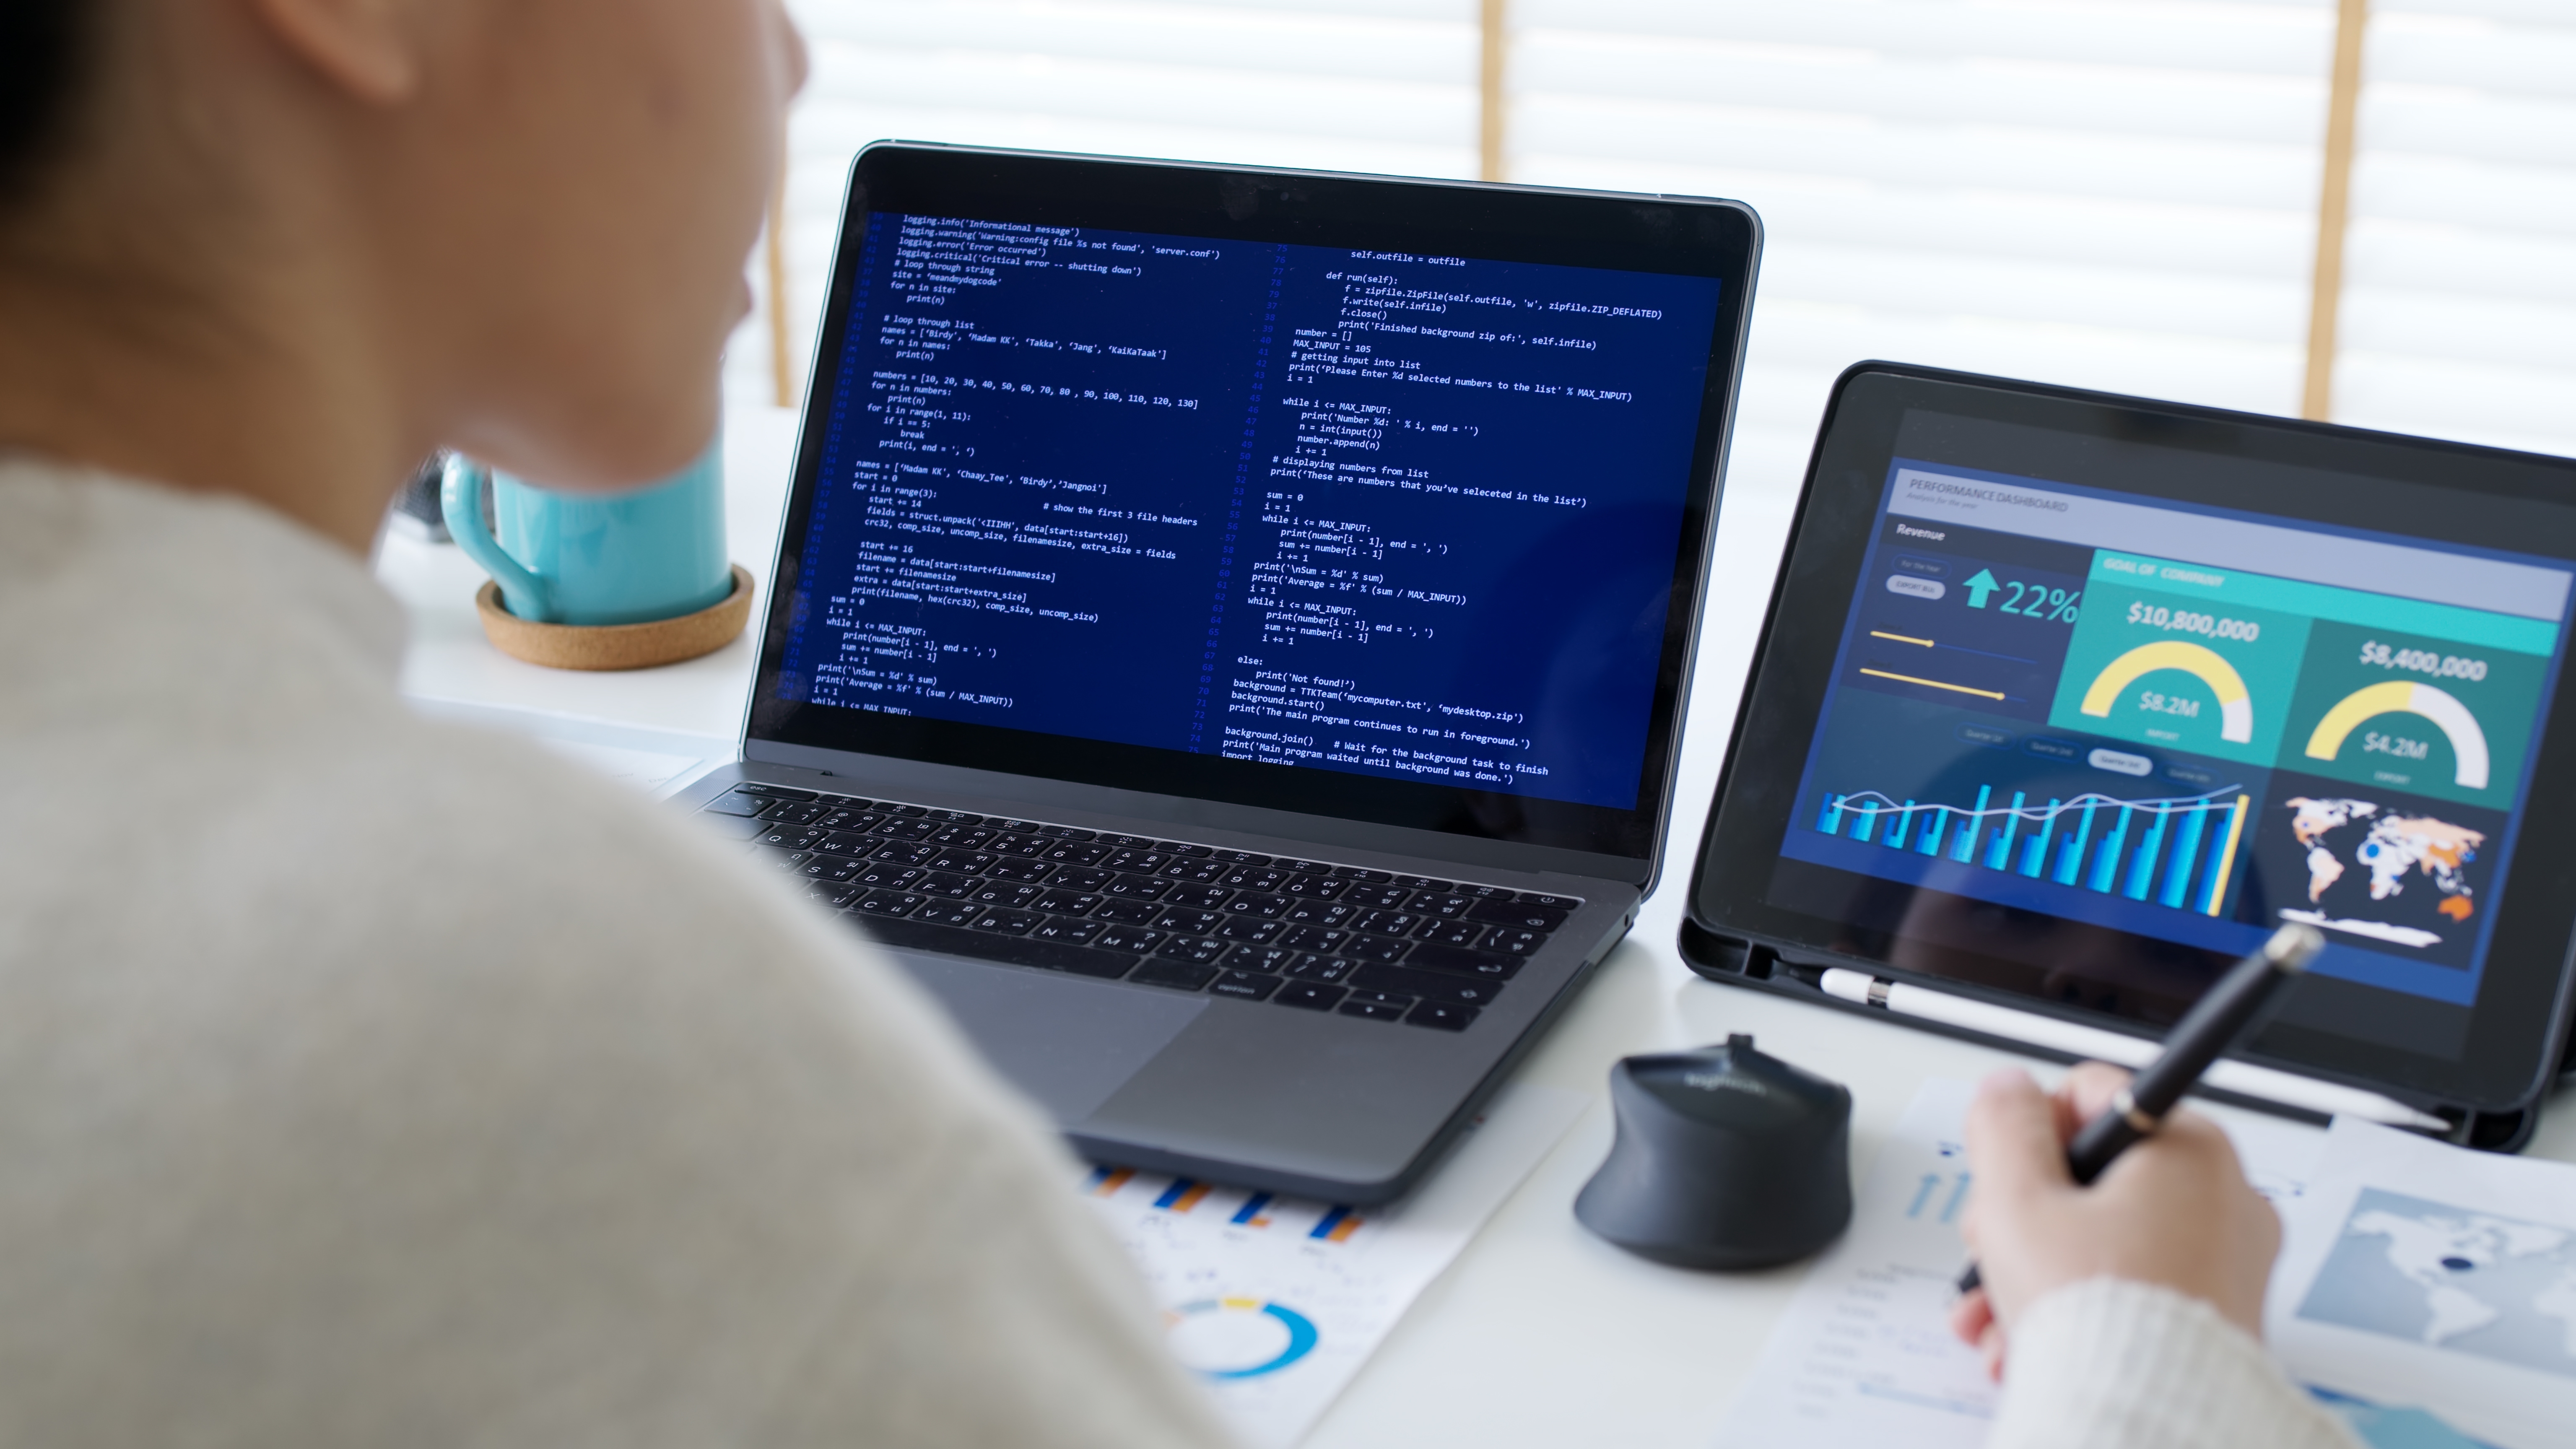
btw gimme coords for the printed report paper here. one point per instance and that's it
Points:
(1277, 1302)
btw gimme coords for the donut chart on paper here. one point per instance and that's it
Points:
(1302, 1335)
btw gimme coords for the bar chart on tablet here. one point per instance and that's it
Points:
(2173, 851)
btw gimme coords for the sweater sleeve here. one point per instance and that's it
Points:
(2108, 1364)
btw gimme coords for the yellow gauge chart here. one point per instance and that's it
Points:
(2469, 756)
(2235, 702)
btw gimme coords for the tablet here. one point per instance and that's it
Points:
(2065, 700)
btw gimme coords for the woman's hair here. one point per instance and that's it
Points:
(42, 53)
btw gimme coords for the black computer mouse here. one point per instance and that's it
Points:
(1725, 1158)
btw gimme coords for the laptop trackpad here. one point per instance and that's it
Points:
(1067, 1042)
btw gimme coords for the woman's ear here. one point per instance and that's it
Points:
(367, 48)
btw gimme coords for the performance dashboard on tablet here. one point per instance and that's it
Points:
(2096, 698)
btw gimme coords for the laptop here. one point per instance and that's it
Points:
(1230, 630)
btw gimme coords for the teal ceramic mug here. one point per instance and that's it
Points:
(656, 552)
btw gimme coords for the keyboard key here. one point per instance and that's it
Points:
(1429, 985)
(1465, 963)
(1239, 857)
(791, 837)
(1423, 883)
(1309, 995)
(1063, 902)
(1084, 878)
(1076, 853)
(964, 862)
(1014, 827)
(1314, 938)
(1517, 943)
(791, 812)
(735, 802)
(884, 875)
(1058, 928)
(1317, 913)
(831, 868)
(1026, 950)
(1257, 958)
(956, 817)
(1445, 906)
(1253, 903)
(735, 827)
(1126, 913)
(955, 887)
(1128, 938)
(1353, 872)
(1256, 878)
(1008, 923)
(1451, 933)
(1197, 872)
(1199, 949)
(1315, 887)
(846, 802)
(898, 828)
(1487, 893)
(1025, 872)
(911, 810)
(1388, 923)
(1136, 888)
(1243, 985)
(1440, 1016)
(1369, 1005)
(1200, 897)
(1067, 832)
(1250, 928)
(1018, 844)
(962, 837)
(1553, 903)
(948, 913)
(1142, 862)
(1177, 975)
(835, 894)
(847, 842)
(906, 852)
(861, 821)
(1377, 897)
(1518, 916)
(1006, 895)
(1183, 847)
(774, 792)
(1128, 842)
(890, 903)
(1375, 948)
(1189, 923)
(1311, 966)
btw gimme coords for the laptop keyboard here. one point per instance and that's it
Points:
(1299, 934)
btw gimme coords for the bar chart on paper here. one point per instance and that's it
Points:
(1276, 1302)
(2172, 851)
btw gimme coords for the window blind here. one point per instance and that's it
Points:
(2459, 300)
(1361, 85)
(2112, 195)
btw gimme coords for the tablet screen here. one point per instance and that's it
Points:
(2073, 700)
(2187, 722)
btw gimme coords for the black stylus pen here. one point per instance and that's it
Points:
(2203, 1035)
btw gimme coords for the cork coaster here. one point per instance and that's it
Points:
(616, 646)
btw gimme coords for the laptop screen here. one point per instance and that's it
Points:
(1335, 511)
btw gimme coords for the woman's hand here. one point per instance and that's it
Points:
(2174, 1210)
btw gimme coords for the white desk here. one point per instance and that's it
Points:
(1541, 1334)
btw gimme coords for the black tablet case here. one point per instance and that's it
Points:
(1714, 950)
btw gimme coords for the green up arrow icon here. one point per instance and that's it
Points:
(1980, 586)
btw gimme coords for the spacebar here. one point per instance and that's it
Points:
(1016, 950)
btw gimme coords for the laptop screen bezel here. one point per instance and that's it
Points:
(1683, 236)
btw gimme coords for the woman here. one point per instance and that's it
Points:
(367, 1081)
